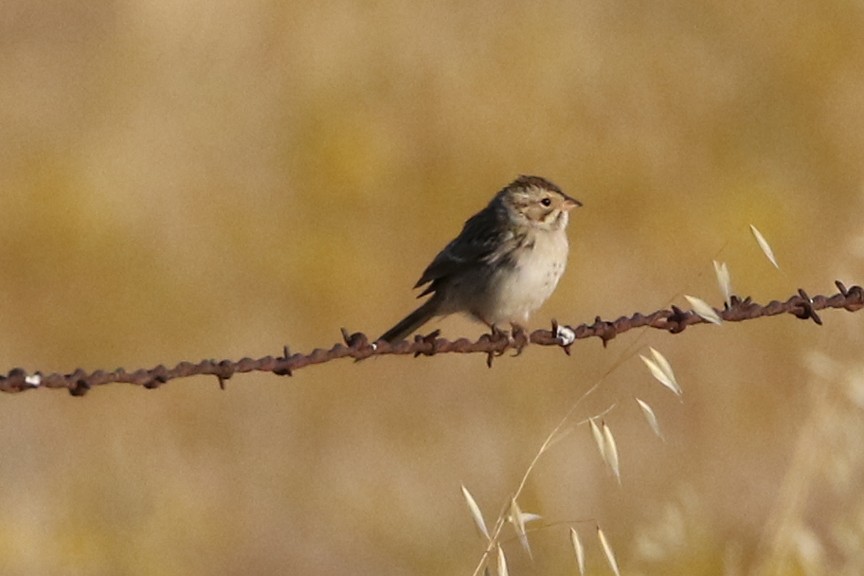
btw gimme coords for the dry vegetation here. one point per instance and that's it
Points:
(184, 180)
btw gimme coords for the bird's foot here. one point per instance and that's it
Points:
(519, 340)
(496, 336)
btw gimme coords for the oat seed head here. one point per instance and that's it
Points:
(598, 438)
(611, 451)
(763, 244)
(704, 310)
(607, 550)
(517, 518)
(578, 550)
(650, 417)
(661, 370)
(502, 563)
(475, 512)
(724, 280)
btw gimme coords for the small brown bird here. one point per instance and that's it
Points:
(503, 265)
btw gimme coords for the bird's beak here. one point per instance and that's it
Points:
(570, 203)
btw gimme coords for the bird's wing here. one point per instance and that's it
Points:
(478, 244)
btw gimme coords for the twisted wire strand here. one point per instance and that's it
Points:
(357, 346)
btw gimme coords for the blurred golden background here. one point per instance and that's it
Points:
(186, 180)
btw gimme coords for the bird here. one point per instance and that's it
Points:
(503, 265)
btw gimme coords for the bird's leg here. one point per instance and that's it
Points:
(498, 334)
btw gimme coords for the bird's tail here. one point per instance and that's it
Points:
(412, 322)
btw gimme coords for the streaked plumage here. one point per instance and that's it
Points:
(504, 264)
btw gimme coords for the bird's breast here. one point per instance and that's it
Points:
(530, 278)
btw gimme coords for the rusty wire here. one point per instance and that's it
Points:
(358, 347)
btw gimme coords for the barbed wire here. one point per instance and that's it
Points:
(357, 346)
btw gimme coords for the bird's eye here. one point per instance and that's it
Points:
(546, 202)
